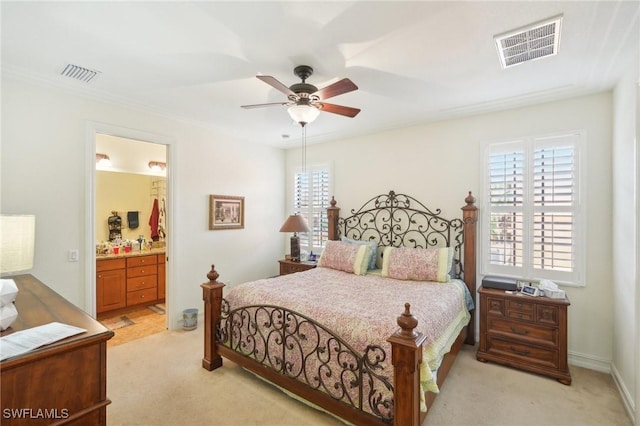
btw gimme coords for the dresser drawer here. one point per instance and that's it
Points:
(140, 271)
(521, 352)
(141, 296)
(141, 260)
(139, 283)
(529, 333)
(110, 265)
(495, 306)
(520, 310)
(290, 267)
(520, 305)
(547, 315)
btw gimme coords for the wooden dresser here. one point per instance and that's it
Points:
(291, 267)
(524, 332)
(64, 382)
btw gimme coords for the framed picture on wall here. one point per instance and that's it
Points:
(226, 212)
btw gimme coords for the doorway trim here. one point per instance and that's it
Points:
(94, 128)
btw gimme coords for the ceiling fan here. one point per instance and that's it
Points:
(305, 101)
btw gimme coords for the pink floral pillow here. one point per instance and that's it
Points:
(417, 264)
(353, 258)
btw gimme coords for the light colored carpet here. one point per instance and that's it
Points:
(158, 380)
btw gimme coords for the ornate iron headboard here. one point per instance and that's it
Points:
(399, 220)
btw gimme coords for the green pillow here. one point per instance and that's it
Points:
(373, 247)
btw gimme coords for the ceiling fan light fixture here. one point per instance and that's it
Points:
(303, 114)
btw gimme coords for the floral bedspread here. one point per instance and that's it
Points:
(362, 310)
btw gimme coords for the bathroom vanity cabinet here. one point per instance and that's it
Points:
(129, 279)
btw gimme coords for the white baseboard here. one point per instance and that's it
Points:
(605, 366)
(589, 361)
(629, 403)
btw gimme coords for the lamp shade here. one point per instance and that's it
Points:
(17, 242)
(303, 114)
(295, 223)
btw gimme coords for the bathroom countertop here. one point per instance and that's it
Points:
(131, 254)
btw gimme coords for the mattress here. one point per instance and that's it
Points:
(362, 310)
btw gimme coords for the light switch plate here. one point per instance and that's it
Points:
(73, 255)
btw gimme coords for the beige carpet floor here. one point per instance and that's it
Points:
(158, 380)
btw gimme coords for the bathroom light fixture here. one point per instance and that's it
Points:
(103, 160)
(157, 166)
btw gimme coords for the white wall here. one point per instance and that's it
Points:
(625, 238)
(440, 162)
(44, 152)
(637, 259)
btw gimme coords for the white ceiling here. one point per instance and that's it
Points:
(414, 62)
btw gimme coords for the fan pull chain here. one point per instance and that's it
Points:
(304, 150)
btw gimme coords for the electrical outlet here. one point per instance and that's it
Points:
(73, 255)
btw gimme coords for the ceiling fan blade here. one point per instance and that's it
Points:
(339, 109)
(262, 105)
(273, 82)
(338, 88)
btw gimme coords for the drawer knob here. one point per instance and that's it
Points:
(516, 351)
(520, 331)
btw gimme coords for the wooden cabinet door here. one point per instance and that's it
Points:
(111, 290)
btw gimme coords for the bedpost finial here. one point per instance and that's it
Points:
(407, 322)
(213, 274)
(333, 201)
(470, 200)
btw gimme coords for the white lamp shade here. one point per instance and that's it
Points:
(303, 113)
(17, 242)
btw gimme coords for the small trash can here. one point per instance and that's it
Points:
(190, 319)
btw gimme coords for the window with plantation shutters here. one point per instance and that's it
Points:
(311, 199)
(532, 226)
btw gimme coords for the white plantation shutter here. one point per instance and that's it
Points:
(532, 205)
(506, 185)
(311, 199)
(553, 206)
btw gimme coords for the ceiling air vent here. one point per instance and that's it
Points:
(529, 43)
(79, 73)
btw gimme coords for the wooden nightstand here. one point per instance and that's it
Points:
(290, 267)
(524, 332)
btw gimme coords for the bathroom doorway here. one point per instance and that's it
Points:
(129, 223)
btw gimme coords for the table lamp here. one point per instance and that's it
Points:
(17, 243)
(295, 223)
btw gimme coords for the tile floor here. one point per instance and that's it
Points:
(146, 322)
